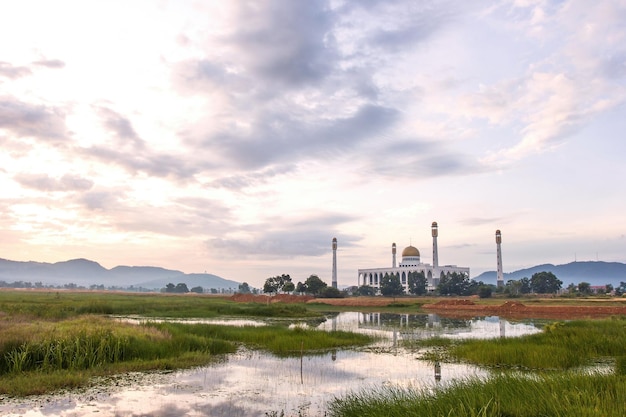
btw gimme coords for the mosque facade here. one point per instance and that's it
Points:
(411, 262)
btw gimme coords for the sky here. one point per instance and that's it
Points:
(238, 138)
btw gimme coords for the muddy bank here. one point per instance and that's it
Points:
(454, 307)
(514, 309)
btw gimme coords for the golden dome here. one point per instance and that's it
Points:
(410, 251)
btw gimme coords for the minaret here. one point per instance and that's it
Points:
(435, 232)
(334, 262)
(393, 254)
(500, 278)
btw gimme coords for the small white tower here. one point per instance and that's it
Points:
(500, 278)
(334, 262)
(435, 233)
(393, 254)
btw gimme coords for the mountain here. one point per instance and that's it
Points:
(205, 281)
(86, 273)
(595, 273)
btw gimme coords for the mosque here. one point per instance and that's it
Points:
(411, 263)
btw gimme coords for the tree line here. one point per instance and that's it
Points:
(313, 285)
(453, 284)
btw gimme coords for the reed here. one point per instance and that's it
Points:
(563, 395)
(92, 342)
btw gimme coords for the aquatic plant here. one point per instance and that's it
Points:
(562, 345)
(563, 395)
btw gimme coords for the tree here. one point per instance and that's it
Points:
(181, 288)
(270, 286)
(289, 287)
(572, 289)
(390, 285)
(314, 285)
(513, 288)
(608, 288)
(331, 292)
(584, 288)
(525, 285)
(417, 283)
(300, 288)
(366, 290)
(244, 288)
(545, 283)
(484, 291)
(197, 290)
(276, 284)
(454, 284)
(170, 287)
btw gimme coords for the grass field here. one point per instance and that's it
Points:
(50, 341)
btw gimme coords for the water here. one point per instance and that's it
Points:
(252, 383)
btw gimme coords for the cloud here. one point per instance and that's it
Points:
(417, 158)
(302, 82)
(292, 239)
(121, 127)
(190, 216)
(50, 63)
(43, 182)
(100, 200)
(13, 72)
(32, 120)
(156, 164)
(284, 43)
(277, 137)
(479, 221)
(131, 152)
(252, 179)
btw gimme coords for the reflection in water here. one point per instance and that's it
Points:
(437, 371)
(424, 326)
(253, 383)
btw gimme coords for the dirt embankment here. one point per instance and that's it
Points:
(278, 298)
(455, 307)
(517, 309)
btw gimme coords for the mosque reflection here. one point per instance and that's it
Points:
(423, 326)
(417, 325)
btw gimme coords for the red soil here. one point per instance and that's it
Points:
(519, 310)
(457, 307)
(278, 298)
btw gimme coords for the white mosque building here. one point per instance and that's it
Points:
(411, 263)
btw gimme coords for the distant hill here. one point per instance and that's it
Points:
(86, 273)
(595, 273)
(206, 281)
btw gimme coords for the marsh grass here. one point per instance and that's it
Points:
(34, 353)
(59, 305)
(91, 345)
(562, 345)
(563, 395)
(279, 340)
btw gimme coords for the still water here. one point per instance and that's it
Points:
(253, 383)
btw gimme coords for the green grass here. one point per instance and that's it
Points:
(562, 345)
(562, 395)
(278, 340)
(60, 304)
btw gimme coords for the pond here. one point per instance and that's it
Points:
(253, 383)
